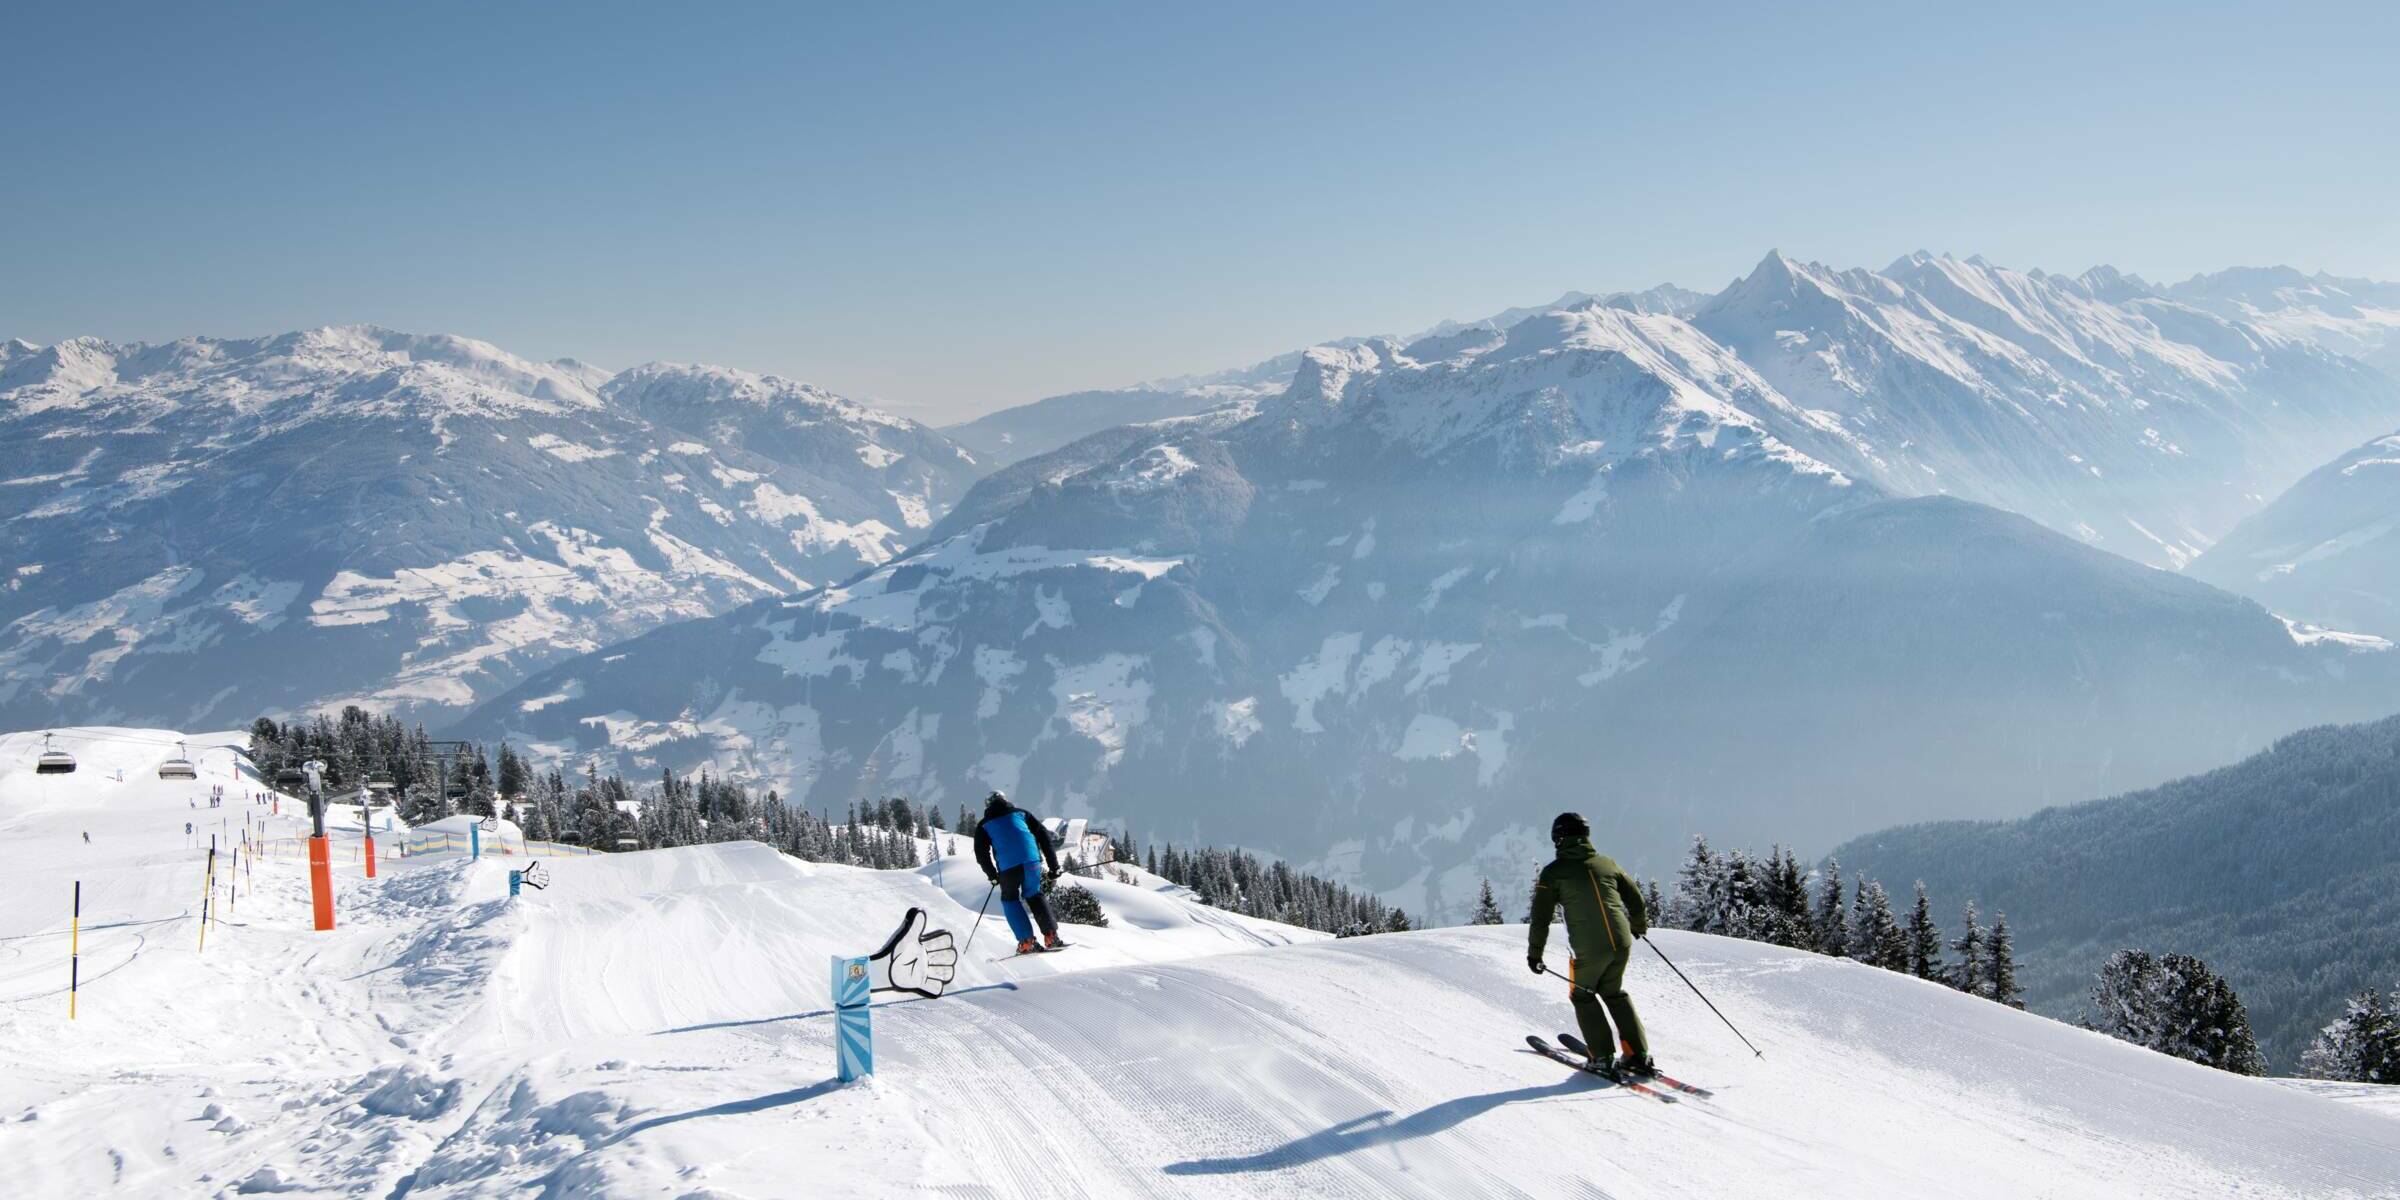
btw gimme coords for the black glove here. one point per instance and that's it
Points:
(993, 876)
(1535, 962)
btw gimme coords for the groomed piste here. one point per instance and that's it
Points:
(658, 1024)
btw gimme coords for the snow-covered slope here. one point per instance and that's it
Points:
(656, 1024)
(2357, 317)
(207, 529)
(1391, 620)
(2325, 551)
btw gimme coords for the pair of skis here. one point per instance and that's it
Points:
(1037, 950)
(1578, 1056)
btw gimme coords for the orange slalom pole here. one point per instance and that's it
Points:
(320, 882)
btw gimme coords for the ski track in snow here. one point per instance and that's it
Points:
(657, 1024)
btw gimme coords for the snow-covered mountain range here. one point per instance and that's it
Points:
(2325, 550)
(206, 529)
(1014, 434)
(2357, 317)
(1678, 573)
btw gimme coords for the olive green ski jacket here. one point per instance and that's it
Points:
(1604, 907)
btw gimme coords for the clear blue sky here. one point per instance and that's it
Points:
(951, 208)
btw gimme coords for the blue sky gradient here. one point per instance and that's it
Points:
(950, 208)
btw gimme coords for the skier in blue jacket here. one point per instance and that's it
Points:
(1013, 848)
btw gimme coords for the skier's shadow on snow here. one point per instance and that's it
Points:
(1377, 1129)
(825, 1012)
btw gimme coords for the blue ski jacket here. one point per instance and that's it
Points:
(1013, 838)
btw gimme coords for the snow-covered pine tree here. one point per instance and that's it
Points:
(2177, 1006)
(1833, 913)
(2000, 972)
(1876, 937)
(1968, 976)
(1487, 909)
(2360, 1046)
(1075, 905)
(1787, 898)
(1699, 885)
(1653, 902)
(1396, 922)
(1924, 939)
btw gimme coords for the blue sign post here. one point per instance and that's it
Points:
(474, 841)
(853, 1036)
(516, 881)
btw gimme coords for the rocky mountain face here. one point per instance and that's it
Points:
(1681, 575)
(199, 531)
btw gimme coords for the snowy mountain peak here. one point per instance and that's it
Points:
(2107, 283)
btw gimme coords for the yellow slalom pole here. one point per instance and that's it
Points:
(74, 949)
(208, 888)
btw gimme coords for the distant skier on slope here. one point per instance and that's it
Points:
(1604, 915)
(1013, 848)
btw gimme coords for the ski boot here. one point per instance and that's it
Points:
(1028, 947)
(1051, 941)
(1633, 1068)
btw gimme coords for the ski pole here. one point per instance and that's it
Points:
(987, 905)
(1687, 982)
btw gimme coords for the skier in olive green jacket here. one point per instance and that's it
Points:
(1604, 915)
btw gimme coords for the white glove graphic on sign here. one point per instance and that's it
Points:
(916, 959)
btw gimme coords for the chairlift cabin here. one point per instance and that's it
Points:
(378, 791)
(53, 760)
(178, 767)
(290, 779)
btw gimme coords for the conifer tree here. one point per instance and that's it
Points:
(2000, 974)
(1397, 922)
(1924, 939)
(1698, 889)
(1833, 914)
(2360, 1046)
(2176, 1005)
(1968, 976)
(1876, 936)
(1487, 909)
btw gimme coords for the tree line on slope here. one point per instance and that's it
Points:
(609, 813)
(2172, 1004)
(2277, 870)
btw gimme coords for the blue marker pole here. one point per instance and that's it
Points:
(474, 841)
(853, 1036)
(516, 880)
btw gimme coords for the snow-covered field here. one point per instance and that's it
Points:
(656, 1024)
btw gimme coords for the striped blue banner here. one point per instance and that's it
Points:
(853, 1036)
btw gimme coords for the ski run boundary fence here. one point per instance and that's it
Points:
(413, 845)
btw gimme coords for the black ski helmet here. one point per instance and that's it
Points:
(1568, 827)
(995, 804)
